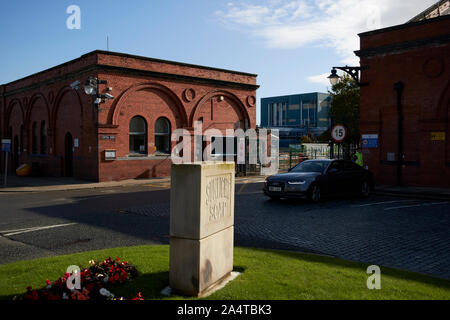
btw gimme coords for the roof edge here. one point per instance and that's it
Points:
(96, 52)
(127, 55)
(295, 94)
(404, 26)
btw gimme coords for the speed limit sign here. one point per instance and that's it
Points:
(338, 133)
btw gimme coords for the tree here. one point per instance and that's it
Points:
(325, 137)
(345, 107)
(306, 139)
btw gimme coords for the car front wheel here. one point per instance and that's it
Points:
(365, 189)
(314, 193)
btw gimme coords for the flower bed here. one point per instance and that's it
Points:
(95, 282)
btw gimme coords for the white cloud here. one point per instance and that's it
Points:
(291, 24)
(321, 79)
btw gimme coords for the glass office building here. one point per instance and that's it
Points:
(296, 115)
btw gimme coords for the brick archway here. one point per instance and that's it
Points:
(29, 111)
(11, 105)
(56, 105)
(237, 105)
(180, 110)
(53, 126)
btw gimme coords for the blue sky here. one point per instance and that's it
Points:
(290, 44)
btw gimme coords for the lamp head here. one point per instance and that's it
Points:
(334, 78)
(90, 87)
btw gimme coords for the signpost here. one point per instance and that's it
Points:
(369, 141)
(338, 133)
(6, 147)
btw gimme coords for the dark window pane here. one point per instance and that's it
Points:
(162, 143)
(34, 146)
(138, 144)
(162, 126)
(138, 136)
(162, 135)
(21, 138)
(43, 138)
(137, 125)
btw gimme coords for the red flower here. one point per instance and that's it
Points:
(90, 286)
(53, 297)
(123, 276)
(116, 271)
(139, 297)
(60, 282)
(34, 295)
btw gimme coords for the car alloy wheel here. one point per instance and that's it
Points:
(365, 189)
(315, 193)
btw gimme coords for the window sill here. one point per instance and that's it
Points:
(144, 157)
(37, 155)
(136, 155)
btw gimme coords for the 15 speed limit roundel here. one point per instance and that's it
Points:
(338, 133)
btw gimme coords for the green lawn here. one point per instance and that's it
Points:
(265, 275)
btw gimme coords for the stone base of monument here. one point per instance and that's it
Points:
(167, 291)
(196, 265)
(201, 226)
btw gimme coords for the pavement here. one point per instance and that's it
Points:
(43, 184)
(412, 191)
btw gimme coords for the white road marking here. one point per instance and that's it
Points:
(378, 203)
(416, 205)
(8, 233)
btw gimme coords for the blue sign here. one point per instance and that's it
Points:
(6, 145)
(369, 141)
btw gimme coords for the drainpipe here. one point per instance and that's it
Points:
(399, 86)
(2, 117)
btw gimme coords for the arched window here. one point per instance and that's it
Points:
(21, 138)
(138, 136)
(162, 136)
(34, 139)
(43, 138)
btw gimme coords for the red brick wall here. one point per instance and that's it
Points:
(185, 94)
(153, 98)
(425, 72)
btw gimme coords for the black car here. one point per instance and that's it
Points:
(314, 179)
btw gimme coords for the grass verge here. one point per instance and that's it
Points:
(266, 274)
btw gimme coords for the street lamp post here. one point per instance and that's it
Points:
(399, 87)
(354, 72)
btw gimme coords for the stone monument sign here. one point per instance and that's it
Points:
(201, 225)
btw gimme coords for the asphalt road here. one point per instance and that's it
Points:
(405, 233)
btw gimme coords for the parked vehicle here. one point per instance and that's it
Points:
(314, 179)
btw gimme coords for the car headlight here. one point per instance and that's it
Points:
(296, 182)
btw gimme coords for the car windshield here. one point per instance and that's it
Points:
(311, 166)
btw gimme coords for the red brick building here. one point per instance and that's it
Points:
(60, 128)
(413, 60)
